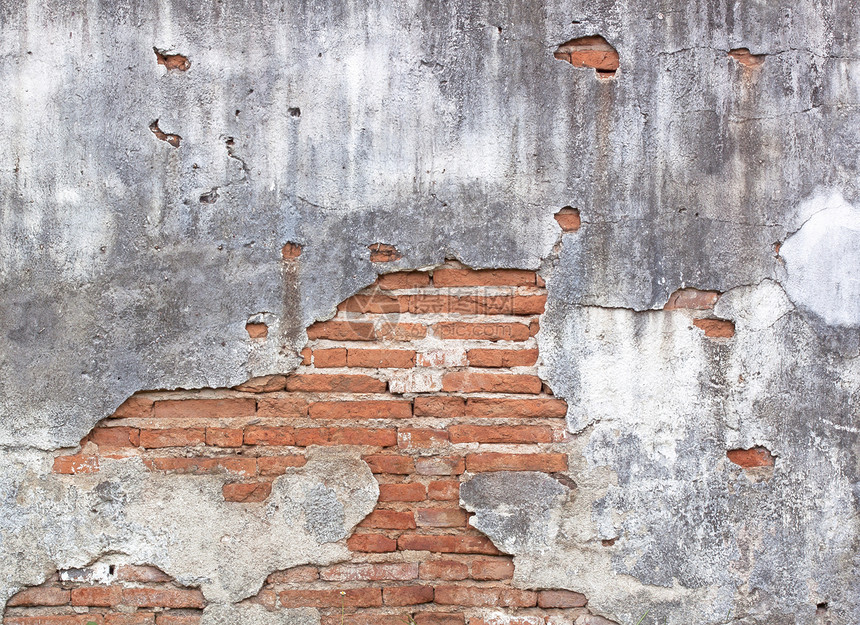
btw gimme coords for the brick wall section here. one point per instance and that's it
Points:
(433, 376)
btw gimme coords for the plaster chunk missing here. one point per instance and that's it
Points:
(593, 51)
(746, 58)
(172, 139)
(172, 61)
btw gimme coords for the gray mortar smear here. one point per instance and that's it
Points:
(448, 130)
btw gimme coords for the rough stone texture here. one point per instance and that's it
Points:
(447, 130)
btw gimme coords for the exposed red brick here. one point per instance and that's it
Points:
(407, 595)
(342, 331)
(364, 619)
(282, 407)
(177, 62)
(481, 331)
(135, 407)
(561, 599)
(404, 280)
(534, 327)
(40, 595)
(568, 218)
(172, 437)
(162, 597)
(492, 569)
(439, 304)
(420, 438)
(500, 434)
(136, 618)
(331, 598)
(491, 461)
(746, 58)
(307, 359)
(224, 437)
(278, 465)
(692, 299)
(446, 544)
(385, 463)
(265, 435)
(450, 570)
(144, 574)
(55, 619)
(200, 466)
(716, 328)
(167, 618)
(439, 406)
(96, 596)
(374, 437)
(372, 409)
(593, 51)
(247, 493)
(483, 277)
(383, 253)
(440, 618)
(445, 490)
(389, 519)
(397, 571)
(750, 458)
(440, 517)
(478, 596)
(381, 358)
(326, 358)
(402, 492)
(173, 139)
(71, 465)
(522, 619)
(529, 304)
(372, 543)
(257, 330)
(403, 332)
(473, 382)
(115, 437)
(325, 383)
(205, 408)
(440, 465)
(515, 408)
(294, 575)
(374, 302)
(502, 357)
(265, 384)
(291, 250)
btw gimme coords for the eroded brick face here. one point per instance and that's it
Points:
(433, 377)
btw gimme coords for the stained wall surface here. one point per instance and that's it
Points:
(187, 189)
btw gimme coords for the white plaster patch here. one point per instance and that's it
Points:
(822, 262)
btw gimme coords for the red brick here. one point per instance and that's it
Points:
(97, 596)
(383, 253)
(326, 358)
(403, 332)
(481, 331)
(71, 465)
(450, 570)
(383, 463)
(522, 619)
(322, 383)
(55, 619)
(137, 618)
(397, 571)
(483, 277)
(389, 519)
(257, 330)
(749, 458)
(692, 299)
(504, 408)
(331, 598)
(133, 573)
(438, 304)
(224, 437)
(205, 408)
(364, 619)
(366, 303)
(135, 407)
(371, 543)
(716, 328)
(476, 596)
(407, 595)
(444, 490)
(500, 434)
(374, 437)
(278, 465)
(267, 435)
(534, 327)
(561, 599)
(440, 618)
(371, 409)
(115, 437)
(162, 598)
(529, 304)
(294, 575)
(502, 357)
(420, 438)
(342, 331)
(473, 382)
(440, 465)
(172, 437)
(247, 493)
(446, 544)
(548, 463)
(166, 618)
(307, 359)
(381, 358)
(439, 406)
(291, 250)
(402, 492)
(404, 280)
(440, 517)
(568, 218)
(494, 569)
(265, 384)
(41, 595)
(200, 466)
(282, 407)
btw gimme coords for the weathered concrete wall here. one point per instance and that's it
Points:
(449, 130)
